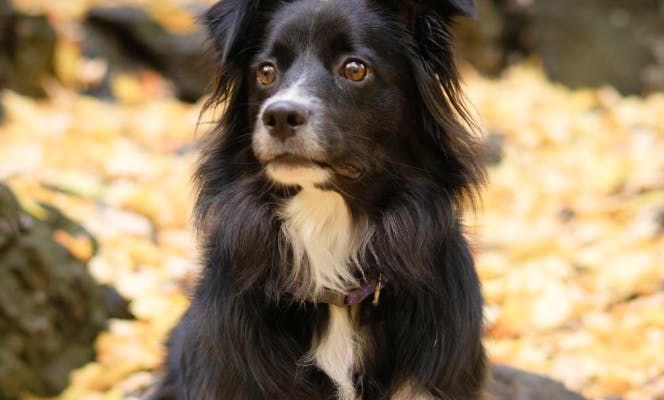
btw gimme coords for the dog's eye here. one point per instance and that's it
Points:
(266, 73)
(355, 71)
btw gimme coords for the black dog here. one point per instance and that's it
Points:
(329, 205)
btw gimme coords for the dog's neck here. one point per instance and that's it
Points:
(326, 242)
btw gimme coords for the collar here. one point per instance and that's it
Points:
(350, 298)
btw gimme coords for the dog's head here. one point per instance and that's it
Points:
(341, 93)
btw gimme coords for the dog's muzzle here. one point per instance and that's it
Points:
(290, 148)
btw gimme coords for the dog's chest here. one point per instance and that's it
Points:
(320, 229)
(325, 244)
(339, 351)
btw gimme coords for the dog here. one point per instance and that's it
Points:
(329, 208)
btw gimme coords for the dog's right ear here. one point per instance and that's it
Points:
(233, 25)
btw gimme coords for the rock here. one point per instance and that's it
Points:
(494, 148)
(117, 306)
(590, 43)
(131, 41)
(506, 383)
(51, 309)
(27, 48)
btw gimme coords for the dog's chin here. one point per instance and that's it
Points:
(293, 170)
(297, 171)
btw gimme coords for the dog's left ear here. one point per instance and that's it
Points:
(429, 20)
(465, 7)
(444, 8)
(453, 7)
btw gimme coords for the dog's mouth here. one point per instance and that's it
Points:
(291, 162)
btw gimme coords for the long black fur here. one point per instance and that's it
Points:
(243, 337)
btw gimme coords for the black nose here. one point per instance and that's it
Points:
(283, 118)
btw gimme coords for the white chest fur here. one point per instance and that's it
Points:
(339, 352)
(325, 243)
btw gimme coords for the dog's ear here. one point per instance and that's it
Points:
(451, 7)
(462, 7)
(429, 21)
(410, 9)
(232, 25)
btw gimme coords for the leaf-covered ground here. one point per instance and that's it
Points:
(569, 241)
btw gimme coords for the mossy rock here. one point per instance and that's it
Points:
(51, 309)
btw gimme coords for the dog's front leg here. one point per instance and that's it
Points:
(242, 348)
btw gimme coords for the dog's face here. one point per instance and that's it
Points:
(327, 93)
(332, 89)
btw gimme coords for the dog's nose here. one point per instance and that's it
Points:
(283, 118)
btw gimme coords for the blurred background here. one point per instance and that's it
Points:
(99, 115)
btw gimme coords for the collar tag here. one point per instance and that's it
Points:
(379, 286)
(353, 297)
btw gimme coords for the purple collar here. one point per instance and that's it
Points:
(352, 297)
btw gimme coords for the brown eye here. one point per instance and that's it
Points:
(266, 73)
(355, 71)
